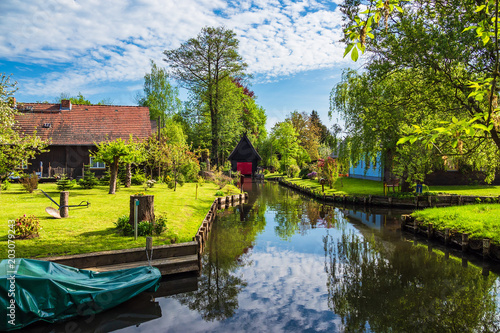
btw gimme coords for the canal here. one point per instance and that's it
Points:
(284, 262)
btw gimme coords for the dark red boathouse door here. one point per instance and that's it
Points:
(244, 167)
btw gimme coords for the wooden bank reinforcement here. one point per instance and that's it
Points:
(169, 259)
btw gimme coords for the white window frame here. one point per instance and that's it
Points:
(96, 165)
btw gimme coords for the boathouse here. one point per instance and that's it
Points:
(244, 157)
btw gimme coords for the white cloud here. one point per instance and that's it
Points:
(95, 41)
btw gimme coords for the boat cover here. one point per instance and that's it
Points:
(43, 290)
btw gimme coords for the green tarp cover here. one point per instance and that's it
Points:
(43, 290)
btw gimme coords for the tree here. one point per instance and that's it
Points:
(81, 100)
(201, 64)
(433, 38)
(159, 95)
(286, 142)
(115, 152)
(308, 132)
(16, 148)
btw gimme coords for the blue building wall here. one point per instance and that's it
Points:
(373, 172)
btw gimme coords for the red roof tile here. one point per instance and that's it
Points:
(84, 124)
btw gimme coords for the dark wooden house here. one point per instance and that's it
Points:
(244, 157)
(73, 131)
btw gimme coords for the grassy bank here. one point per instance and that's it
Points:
(92, 229)
(354, 186)
(480, 221)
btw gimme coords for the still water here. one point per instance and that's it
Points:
(283, 262)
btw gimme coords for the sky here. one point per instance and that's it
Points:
(102, 49)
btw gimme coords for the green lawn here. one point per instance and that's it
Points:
(354, 186)
(92, 229)
(480, 221)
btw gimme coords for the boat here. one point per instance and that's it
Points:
(35, 290)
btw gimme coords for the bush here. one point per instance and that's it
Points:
(303, 173)
(27, 227)
(293, 171)
(201, 181)
(123, 225)
(104, 180)
(89, 179)
(171, 183)
(29, 182)
(312, 175)
(221, 179)
(145, 228)
(138, 178)
(160, 225)
(5, 185)
(64, 184)
(219, 193)
(149, 183)
(190, 170)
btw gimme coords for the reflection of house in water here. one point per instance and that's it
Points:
(374, 221)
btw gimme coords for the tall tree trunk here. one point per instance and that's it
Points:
(128, 175)
(113, 169)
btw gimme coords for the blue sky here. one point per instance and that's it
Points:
(102, 48)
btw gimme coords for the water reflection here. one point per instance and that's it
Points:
(404, 288)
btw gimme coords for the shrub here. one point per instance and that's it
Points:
(27, 226)
(89, 179)
(219, 193)
(138, 178)
(201, 181)
(29, 182)
(64, 184)
(312, 175)
(145, 228)
(104, 180)
(5, 185)
(303, 173)
(160, 225)
(123, 225)
(149, 183)
(293, 171)
(221, 179)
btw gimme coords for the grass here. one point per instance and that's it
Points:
(479, 221)
(355, 186)
(344, 185)
(92, 229)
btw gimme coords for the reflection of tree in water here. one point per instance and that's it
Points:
(296, 214)
(405, 288)
(219, 285)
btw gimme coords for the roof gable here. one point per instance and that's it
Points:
(84, 124)
(244, 151)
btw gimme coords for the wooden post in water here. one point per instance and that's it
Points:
(465, 242)
(63, 204)
(149, 244)
(486, 247)
(430, 230)
(446, 236)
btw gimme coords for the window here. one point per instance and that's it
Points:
(96, 165)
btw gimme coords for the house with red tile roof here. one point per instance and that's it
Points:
(73, 130)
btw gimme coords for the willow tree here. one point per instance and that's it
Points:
(201, 64)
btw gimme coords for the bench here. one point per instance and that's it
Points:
(393, 183)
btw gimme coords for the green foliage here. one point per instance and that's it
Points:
(219, 193)
(138, 178)
(303, 172)
(160, 225)
(145, 228)
(64, 183)
(27, 227)
(293, 171)
(221, 179)
(89, 179)
(29, 182)
(329, 171)
(124, 226)
(159, 95)
(285, 140)
(118, 151)
(15, 148)
(5, 185)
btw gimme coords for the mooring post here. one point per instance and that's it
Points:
(149, 244)
(486, 247)
(465, 242)
(446, 236)
(430, 230)
(136, 212)
(64, 203)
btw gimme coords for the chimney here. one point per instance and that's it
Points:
(65, 104)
